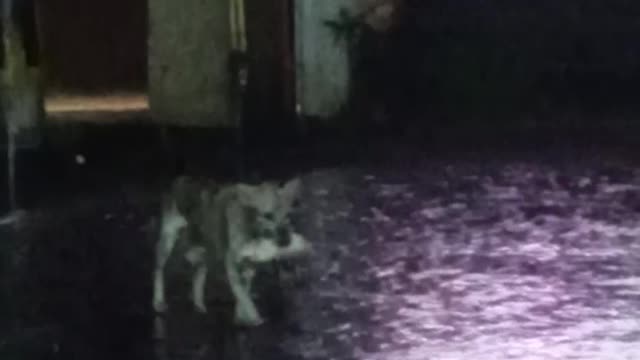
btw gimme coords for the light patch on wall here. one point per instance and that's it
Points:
(96, 108)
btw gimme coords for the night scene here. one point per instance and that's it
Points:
(319, 180)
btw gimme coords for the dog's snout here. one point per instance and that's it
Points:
(284, 237)
(268, 233)
(269, 216)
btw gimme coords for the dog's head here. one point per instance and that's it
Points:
(268, 208)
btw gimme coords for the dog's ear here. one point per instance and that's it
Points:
(289, 192)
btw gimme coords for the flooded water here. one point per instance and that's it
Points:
(437, 260)
(502, 261)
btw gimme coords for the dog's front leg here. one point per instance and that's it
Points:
(172, 223)
(246, 312)
(163, 251)
(199, 281)
(247, 273)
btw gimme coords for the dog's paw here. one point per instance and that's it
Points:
(247, 318)
(200, 308)
(249, 322)
(160, 306)
(15, 218)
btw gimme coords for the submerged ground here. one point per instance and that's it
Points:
(419, 255)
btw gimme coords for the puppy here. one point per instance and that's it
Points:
(231, 228)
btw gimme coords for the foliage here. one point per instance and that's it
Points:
(346, 27)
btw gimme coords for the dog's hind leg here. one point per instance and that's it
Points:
(196, 256)
(172, 223)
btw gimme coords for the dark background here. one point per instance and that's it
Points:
(504, 61)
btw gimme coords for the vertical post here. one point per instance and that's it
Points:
(8, 38)
(288, 65)
(11, 167)
(239, 68)
(22, 105)
(6, 250)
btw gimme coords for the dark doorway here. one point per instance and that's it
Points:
(94, 55)
(271, 90)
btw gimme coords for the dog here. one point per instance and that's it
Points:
(232, 228)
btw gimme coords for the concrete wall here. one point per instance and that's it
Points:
(189, 46)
